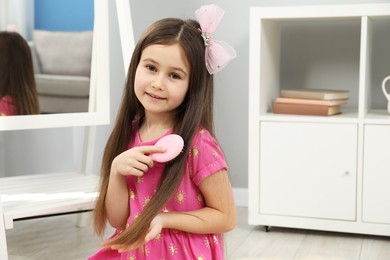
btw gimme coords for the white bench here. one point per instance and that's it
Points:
(43, 195)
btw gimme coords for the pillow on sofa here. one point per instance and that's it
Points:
(64, 53)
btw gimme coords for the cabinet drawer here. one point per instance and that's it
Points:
(376, 174)
(308, 169)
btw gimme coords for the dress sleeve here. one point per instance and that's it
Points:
(206, 156)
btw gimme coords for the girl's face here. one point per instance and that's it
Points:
(161, 79)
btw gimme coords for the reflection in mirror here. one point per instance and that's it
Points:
(61, 45)
(18, 92)
(62, 65)
(69, 92)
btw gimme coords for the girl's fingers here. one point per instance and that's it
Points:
(155, 228)
(136, 161)
(126, 248)
(148, 149)
(140, 167)
(152, 234)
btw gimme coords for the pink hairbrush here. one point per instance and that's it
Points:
(173, 145)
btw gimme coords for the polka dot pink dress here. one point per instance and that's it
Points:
(205, 158)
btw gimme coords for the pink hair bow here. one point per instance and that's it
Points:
(218, 53)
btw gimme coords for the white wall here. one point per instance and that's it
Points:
(19, 13)
(231, 88)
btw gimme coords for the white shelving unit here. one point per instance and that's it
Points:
(320, 172)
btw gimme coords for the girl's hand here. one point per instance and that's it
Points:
(135, 161)
(125, 248)
(155, 228)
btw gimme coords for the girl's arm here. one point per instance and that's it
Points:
(218, 216)
(116, 203)
(134, 161)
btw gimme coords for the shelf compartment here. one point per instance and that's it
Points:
(377, 116)
(378, 65)
(307, 53)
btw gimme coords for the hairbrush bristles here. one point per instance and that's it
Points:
(174, 159)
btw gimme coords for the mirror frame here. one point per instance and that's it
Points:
(99, 100)
(126, 31)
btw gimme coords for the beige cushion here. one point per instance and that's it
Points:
(62, 85)
(64, 53)
(54, 104)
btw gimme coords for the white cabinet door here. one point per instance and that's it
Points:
(376, 174)
(308, 170)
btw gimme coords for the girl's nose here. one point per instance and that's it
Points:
(157, 84)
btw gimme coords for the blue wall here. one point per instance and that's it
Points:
(63, 15)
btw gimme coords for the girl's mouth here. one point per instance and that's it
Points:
(154, 96)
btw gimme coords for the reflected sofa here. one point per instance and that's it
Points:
(62, 67)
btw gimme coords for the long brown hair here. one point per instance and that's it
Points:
(17, 73)
(196, 110)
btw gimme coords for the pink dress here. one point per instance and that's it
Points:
(6, 106)
(205, 158)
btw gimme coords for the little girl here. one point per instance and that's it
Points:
(180, 209)
(18, 93)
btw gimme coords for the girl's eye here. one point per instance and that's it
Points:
(151, 67)
(175, 76)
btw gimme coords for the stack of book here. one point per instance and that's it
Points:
(320, 102)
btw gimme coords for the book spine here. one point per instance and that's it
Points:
(313, 94)
(311, 101)
(294, 109)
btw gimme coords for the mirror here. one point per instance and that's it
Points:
(98, 92)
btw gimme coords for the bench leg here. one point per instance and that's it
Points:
(3, 245)
(3, 239)
(82, 219)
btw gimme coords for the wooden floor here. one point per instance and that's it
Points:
(58, 238)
